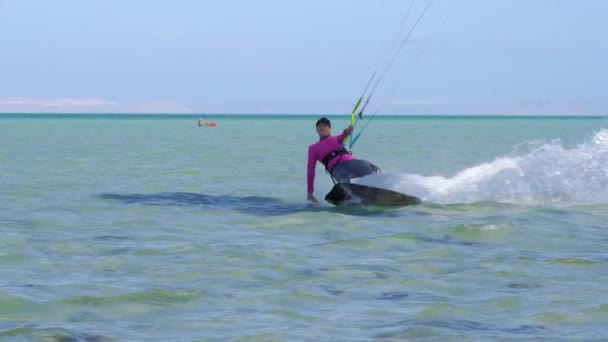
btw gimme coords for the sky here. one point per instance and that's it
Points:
(507, 57)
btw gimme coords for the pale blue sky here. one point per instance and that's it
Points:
(491, 56)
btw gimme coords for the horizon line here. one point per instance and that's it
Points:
(299, 114)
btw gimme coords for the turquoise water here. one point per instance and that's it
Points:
(149, 228)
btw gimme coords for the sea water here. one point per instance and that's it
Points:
(151, 228)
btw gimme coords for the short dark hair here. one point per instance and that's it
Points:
(323, 121)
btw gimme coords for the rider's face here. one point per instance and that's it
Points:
(324, 130)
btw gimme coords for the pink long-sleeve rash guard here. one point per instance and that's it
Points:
(318, 151)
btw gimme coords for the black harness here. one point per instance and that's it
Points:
(332, 155)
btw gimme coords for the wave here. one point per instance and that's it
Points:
(546, 173)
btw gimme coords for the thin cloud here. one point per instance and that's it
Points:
(55, 102)
(86, 105)
(392, 106)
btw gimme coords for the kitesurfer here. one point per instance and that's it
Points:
(341, 165)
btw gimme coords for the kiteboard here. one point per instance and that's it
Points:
(357, 194)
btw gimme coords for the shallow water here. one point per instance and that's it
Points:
(151, 228)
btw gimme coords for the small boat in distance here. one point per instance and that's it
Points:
(203, 123)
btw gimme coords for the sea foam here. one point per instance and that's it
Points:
(546, 172)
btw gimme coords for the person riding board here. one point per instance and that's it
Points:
(341, 165)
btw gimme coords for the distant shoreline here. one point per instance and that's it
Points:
(271, 115)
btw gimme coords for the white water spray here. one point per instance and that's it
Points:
(547, 173)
